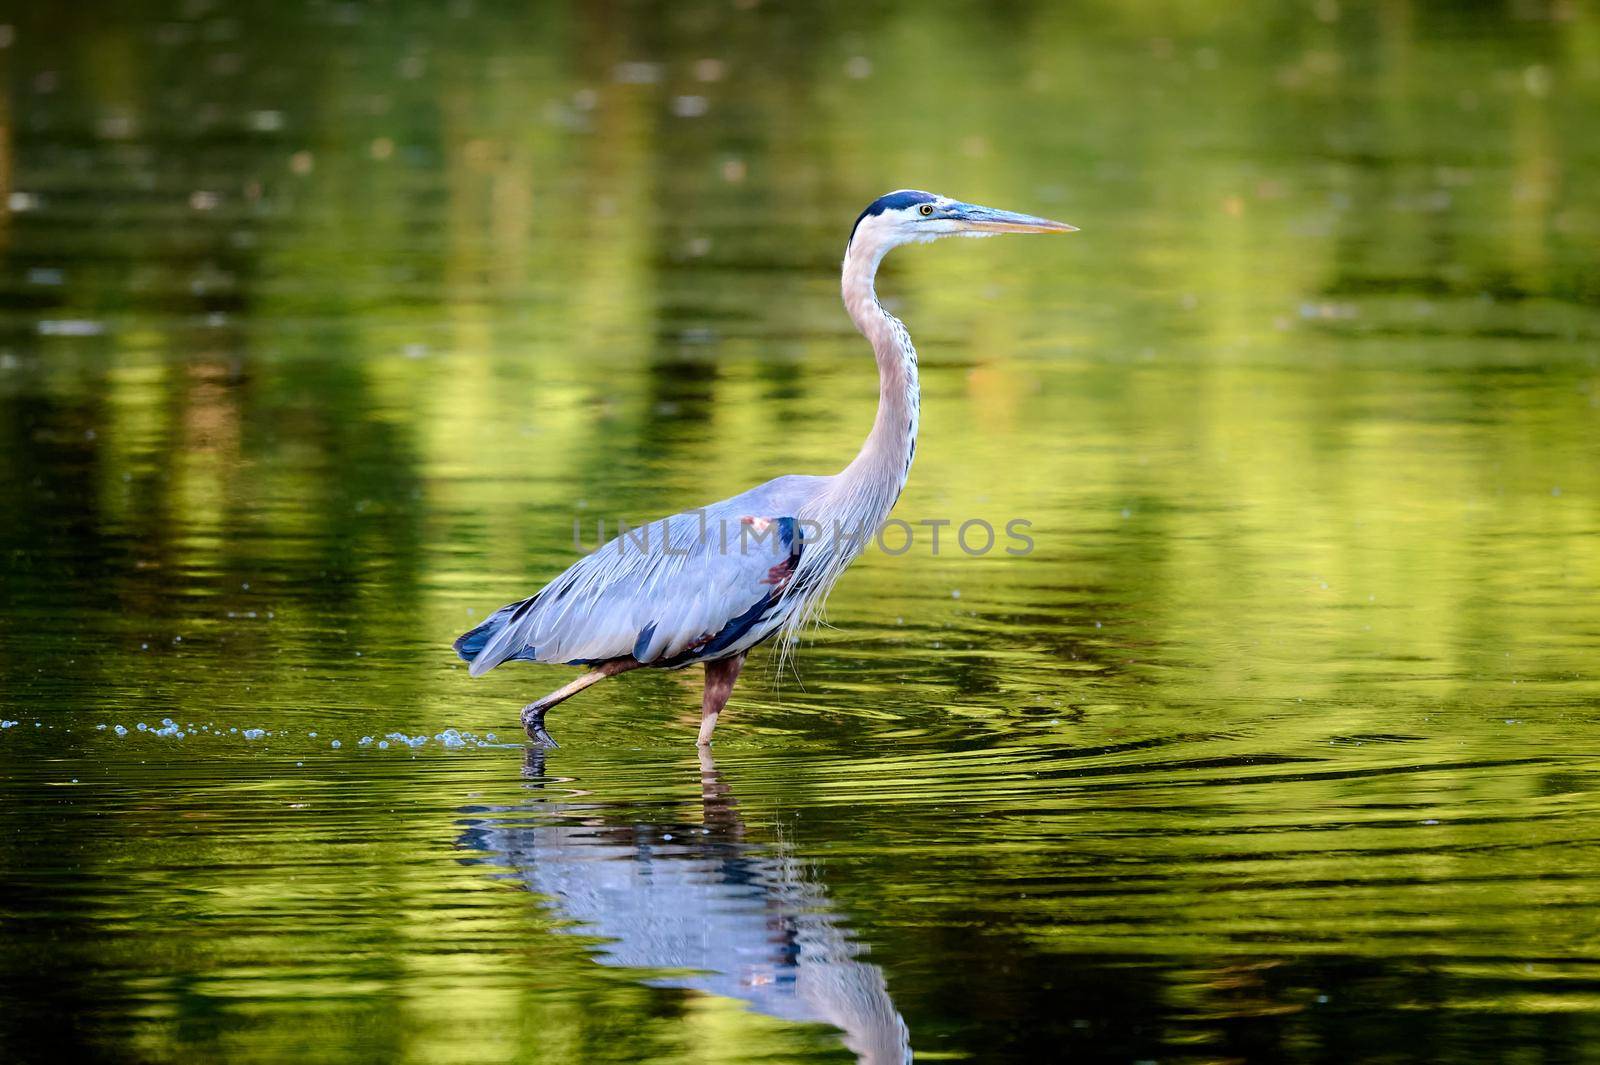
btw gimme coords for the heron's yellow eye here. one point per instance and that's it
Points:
(927, 209)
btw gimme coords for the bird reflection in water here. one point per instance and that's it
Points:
(741, 920)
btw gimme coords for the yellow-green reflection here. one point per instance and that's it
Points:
(319, 326)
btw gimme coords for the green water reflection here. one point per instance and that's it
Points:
(320, 323)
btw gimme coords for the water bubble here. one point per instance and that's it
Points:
(254, 733)
(335, 744)
(383, 745)
(637, 73)
(120, 731)
(70, 327)
(1536, 79)
(690, 106)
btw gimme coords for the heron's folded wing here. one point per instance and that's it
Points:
(671, 588)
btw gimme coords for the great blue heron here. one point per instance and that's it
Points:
(707, 585)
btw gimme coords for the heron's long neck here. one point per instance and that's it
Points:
(852, 509)
(879, 471)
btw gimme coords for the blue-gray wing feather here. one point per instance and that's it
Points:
(699, 584)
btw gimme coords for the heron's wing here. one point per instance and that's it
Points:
(688, 586)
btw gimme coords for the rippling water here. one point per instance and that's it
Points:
(321, 328)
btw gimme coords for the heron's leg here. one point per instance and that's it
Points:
(533, 713)
(720, 676)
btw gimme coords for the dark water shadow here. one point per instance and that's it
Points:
(741, 920)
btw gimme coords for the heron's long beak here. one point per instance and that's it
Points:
(988, 220)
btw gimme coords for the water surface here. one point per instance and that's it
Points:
(321, 326)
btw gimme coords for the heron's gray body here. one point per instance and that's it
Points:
(707, 585)
(697, 586)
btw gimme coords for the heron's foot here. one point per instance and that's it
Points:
(533, 725)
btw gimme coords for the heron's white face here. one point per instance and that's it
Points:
(911, 216)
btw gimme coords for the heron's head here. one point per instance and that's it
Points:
(911, 215)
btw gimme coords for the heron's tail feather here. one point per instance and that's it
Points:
(470, 645)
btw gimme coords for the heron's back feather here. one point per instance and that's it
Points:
(698, 585)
